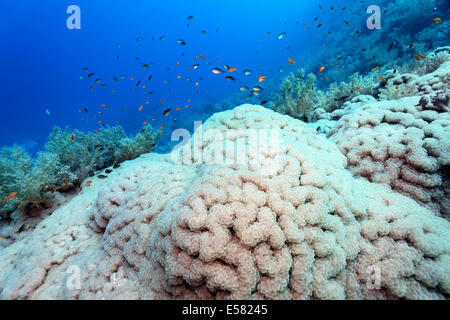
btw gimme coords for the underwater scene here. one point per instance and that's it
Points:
(210, 150)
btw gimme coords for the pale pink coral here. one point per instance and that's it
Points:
(297, 227)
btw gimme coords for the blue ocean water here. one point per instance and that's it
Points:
(42, 60)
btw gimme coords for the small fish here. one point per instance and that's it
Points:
(281, 35)
(247, 72)
(24, 227)
(139, 39)
(437, 20)
(10, 196)
(102, 176)
(410, 46)
(166, 112)
(391, 46)
(357, 32)
(262, 78)
(229, 78)
(216, 71)
(181, 41)
(162, 37)
(358, 88)
(232, 69)
(257, 88)
(88, 182)
(141, 107)
(108, 171)
(116, 166)
(243, 88)
(90, 75)
(190, 18)
(47, 112)
(291, 61)
(342, 98)
(319, 25)
(204, 32)
(321, 68)
(263, 102)
(376, 68)
(382, 79)
(72, 139)
(195, 66)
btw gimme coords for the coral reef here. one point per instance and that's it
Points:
(285, 222)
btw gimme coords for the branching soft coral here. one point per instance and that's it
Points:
(297, 96)
(131, 148)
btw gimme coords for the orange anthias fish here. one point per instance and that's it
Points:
(141, 107)
(88, 182)
(419, 56)
(321, 69)
(72, 139)
(11, 195)
(262, 78)
(382, 79)
(232, 69)
(291, 61)
(358, 88)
